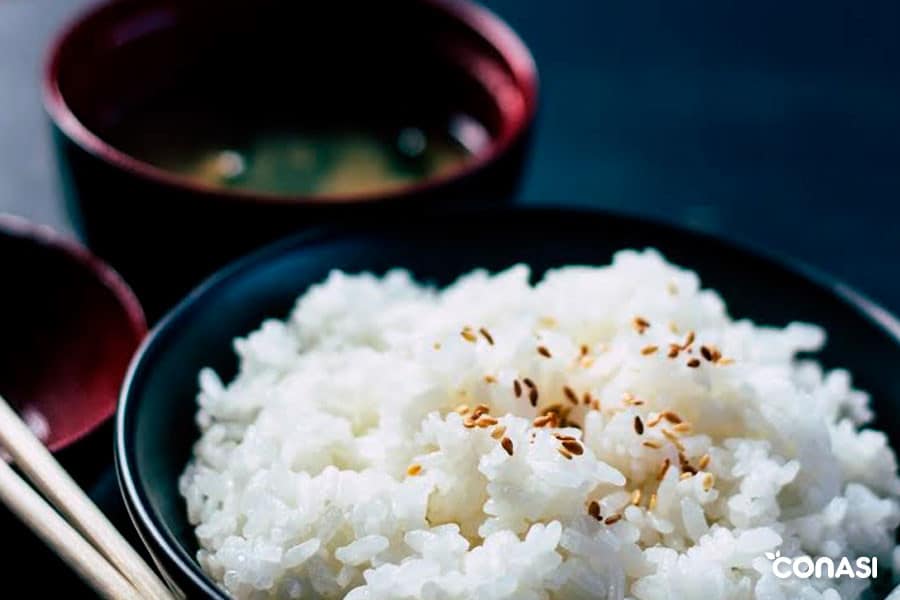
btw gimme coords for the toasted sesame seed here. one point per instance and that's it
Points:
(498, 432)
(652, 503)
(570, 394)
(556, 407)
(573, 446)
(636, 497)
(638, 425)
(542, 421)
(629, 400)
(595, 404)
(414, 469)
(594, 510)
(468, 335)
(693, 363)
(528, 383)
(490, 379)
(685, 475)
(685, 463)
(586, 399)
(670, 416)
(480, 410)
(547, 321)
(461, 409)
(662, 469)
(710, 353)
(468, 423)
(543, 351)
(613, 519)
(674, 439)
(655, 420)
(688, 340)
(648, 350)
(562, 437)
(517, 388)
(507, 445)
(533, 396)
(640, 324)
(652, 444)
(682, 428)
(703, 462)
(486, 421)
(565, 453)
(674, 349)
(724, 362)
(708, 481)
(584, 350)
(487, 335)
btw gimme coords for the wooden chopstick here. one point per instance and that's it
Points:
(62, 538)
(61, 490)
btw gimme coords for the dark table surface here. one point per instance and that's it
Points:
(776, 123)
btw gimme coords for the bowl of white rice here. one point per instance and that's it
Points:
(529, 404)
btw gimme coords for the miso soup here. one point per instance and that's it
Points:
(281, 156)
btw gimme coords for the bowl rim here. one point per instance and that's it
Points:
(478, 19)
(68, 249)
(148, 523)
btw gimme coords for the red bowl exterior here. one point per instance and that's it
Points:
(70, 327)
(164, 232)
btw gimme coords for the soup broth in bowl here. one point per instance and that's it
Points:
(234, 123)
(244, 152)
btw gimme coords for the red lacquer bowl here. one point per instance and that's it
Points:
(331, 61)
(69, 327)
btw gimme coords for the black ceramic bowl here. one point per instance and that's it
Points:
(346, 64)
(155, 426)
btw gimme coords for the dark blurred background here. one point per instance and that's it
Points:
(772, 122)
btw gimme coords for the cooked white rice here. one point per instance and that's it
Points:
(337, 463)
